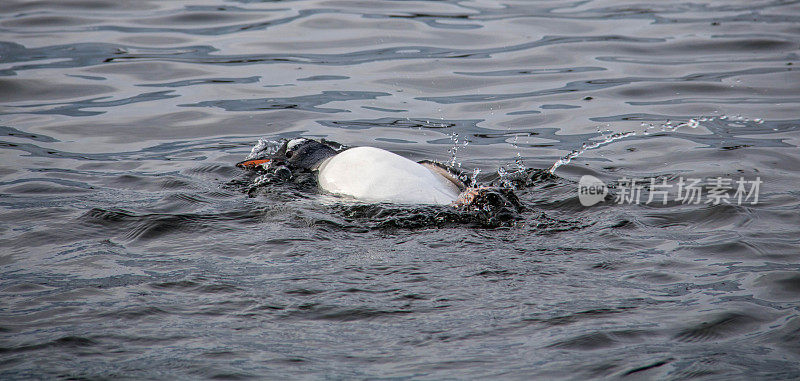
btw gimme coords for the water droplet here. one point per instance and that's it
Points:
(475, 173)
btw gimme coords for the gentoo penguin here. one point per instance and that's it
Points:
(369, 174)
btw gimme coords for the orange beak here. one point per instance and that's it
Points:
(250, 164)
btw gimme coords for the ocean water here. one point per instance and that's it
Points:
(131, 247)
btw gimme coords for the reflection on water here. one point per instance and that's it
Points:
(132, 246)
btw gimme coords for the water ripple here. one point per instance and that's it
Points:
(133, 247)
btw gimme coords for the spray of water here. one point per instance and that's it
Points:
(515, 171)
(585, 147)
(457, 143)
(453, 150)
(263, 146)
(474, 179)
(668, 126)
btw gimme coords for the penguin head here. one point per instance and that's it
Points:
(296, 154)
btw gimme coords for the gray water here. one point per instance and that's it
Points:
(132, 247)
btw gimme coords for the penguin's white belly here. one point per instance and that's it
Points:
(375, 175)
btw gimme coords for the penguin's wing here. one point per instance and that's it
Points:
(444, 171)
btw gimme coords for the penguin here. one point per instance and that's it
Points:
(369, 174)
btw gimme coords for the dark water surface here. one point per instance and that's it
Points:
(129, 246)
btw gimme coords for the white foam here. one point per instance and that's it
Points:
(258, 149)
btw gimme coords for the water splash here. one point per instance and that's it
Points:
(668, 126)
(474, 179)
(264, 146)
(454, 150)
(516, 171)
(585, 147)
